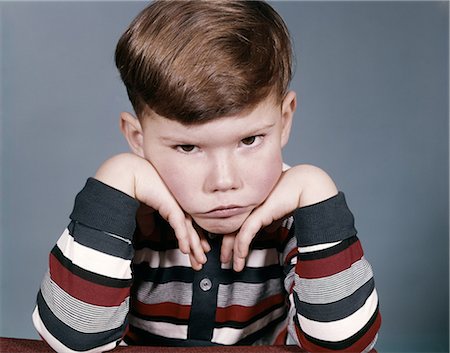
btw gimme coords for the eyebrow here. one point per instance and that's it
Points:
(187, 140)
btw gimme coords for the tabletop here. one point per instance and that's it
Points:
(16, 345)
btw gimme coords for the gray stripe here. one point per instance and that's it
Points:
(80, 316)
(174, 292)
(337, 310)
(291, 245)
(247, 294)
(333, 288)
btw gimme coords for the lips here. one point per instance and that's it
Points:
(225, 211)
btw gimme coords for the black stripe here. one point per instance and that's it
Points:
(162, 275)
(320, 254)
(251, 275)
(72, 338)
(336, 310)
(241, 325)
(154, 318)
(156, 245)
(103, 207)
(324, 222)
(149, 339)
(223, 276)
(88, 275)
(341, 345)
(100, 241)
(268, 330)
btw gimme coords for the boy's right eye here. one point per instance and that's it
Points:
(185, 148)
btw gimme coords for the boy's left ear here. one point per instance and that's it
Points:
(288, 107)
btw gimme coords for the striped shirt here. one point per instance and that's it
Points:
(112, 279)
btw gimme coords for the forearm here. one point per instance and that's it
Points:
(83, 300)
(334, 294)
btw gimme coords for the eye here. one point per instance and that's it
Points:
(252, 140)
(186, 148)
(249, 140)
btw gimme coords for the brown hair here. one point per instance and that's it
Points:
(193, 61)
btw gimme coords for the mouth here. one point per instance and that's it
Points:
(225, 211)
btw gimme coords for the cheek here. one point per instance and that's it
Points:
(265, 174)
(182, 183)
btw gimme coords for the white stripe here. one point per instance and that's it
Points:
(163, 329)
(341, 329)
(93, 260)
(261, 258)
(287, 223)
(81, 316)
(227, 266)
(306, 249)
(161, 259)
(257, 258)
(228, 335)
(57, 345)
(333, 288)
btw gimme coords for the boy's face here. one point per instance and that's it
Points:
(221, 170)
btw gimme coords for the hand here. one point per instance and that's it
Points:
(136, 177)
(298, 186)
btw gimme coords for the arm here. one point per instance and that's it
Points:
(83, 301)
(332, 293)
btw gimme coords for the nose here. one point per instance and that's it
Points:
(223, 174)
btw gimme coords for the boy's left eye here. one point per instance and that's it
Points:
(251, 140)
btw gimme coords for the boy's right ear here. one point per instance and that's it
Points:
(132, 130)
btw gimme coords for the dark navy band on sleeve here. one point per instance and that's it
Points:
(324, 222)
(102, 207)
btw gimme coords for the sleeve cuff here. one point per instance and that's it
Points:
(324, 222)
(102, 207)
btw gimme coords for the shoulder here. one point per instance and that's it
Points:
(315, 184)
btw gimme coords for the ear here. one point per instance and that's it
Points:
(288, 107)
(132, 130)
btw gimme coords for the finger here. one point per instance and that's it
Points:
(238, 263)
(252, 225)
(226, 249)
(194, 243)
(194, 264)
(245, 237)
(205, 245)
(179, 225)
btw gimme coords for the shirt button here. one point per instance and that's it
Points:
(205, 284)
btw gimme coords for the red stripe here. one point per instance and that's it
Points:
(358, 346)
(284, 232)
(281, 338)
(167, 309)
(240, 313)
(291, 254)
(330, 265)
(84, 290)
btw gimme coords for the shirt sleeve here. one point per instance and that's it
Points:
(334, 303)
(83, 301)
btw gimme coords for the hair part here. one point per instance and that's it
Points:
(194, 61)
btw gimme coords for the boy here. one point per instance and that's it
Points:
(200, 236)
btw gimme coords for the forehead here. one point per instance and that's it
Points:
(265, 114)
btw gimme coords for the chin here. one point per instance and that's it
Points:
(220, 226)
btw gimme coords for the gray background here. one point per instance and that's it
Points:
(372, 79)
